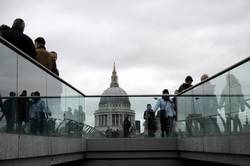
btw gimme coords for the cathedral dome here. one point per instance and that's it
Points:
(114, 90)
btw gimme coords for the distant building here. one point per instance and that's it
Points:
(113, 110)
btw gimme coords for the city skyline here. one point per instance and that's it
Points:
(155, 45)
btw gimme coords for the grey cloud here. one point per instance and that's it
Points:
(175, 38)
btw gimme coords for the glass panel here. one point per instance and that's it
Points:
(74, 114)
(8, 71)
(56, 103)
(56, 92)
(82, 107)
(239, 98)
(205, 114)
(30, 77)
(31, 82)
(8, 87)
(219, 106)
(221, 95)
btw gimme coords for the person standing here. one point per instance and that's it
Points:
(150, 121)
(22, 112)
(16, 37)
(167, 113)
(126, 127)
(43, 56)
(38, 113)
(9, 107)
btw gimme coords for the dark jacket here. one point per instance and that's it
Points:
(21, 41)
(183, 87)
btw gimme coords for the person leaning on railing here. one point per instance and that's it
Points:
(16, 37)
(43, 56)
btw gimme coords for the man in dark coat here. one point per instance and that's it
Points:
(9, 107)
(126, 127)
(22, 111)
(16, 37)
(150, 121)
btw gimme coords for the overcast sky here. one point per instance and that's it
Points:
(155, 44)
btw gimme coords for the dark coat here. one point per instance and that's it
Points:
(150, 121)
(183, 87)
(21, 41)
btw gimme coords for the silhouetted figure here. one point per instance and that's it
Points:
(108, 132)
(16, 37)
(54, 66)
(167, 113)
(186, 85)
(68, 114)
(150, 121)
(42, 55)
(81, 114)
(22, 112)
(3, 29)
(126, 127)
(174, 100)
(233, 100)
(37, 114)
(9, 110)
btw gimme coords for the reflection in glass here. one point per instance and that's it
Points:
(233, 103)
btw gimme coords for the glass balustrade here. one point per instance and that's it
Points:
(34, 101)
(219, 106)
